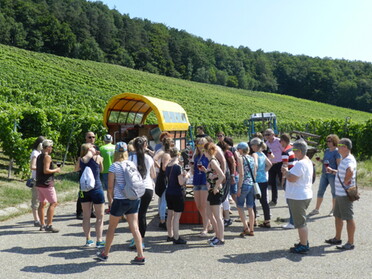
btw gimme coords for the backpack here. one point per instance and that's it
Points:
(87, 181)
(134, 187)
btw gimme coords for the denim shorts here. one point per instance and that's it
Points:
(124, 207)
(200, 188)
(95, 196)
(325, 179)
(234, 187)
(246, 196)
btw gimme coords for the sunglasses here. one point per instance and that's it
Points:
(329, 141)
(295, 149)
(91, 137)
(341, 144)
(220, 136)
(267, 135)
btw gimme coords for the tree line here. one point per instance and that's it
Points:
(91, 31)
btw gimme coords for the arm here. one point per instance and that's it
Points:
(268, 164)
(182, 178)
(153, 172)
(110, 187)
(46, 169)
(100, 162)
(77, 165)
(33, 163)
(165, 160)
(289, 176)
(221, 158)
(91, 152)
(232, 167)
(348, 175)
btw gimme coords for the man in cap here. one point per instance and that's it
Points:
(107, 152)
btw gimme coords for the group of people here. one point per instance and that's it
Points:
(221, 173)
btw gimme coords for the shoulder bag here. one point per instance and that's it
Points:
(352, 192)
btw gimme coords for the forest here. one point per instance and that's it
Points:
(91, 31)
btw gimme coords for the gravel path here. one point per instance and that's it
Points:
(28, 253)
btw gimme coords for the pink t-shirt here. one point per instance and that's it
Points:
(276, 149)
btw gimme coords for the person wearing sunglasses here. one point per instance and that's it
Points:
(332, 159)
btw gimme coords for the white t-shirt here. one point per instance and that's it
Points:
(301, 189)
(149, 162)
(35, 153)
(348, 161)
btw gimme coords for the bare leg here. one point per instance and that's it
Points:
(219, 228)
(339, 224)
(50, 213)
(242, 218)
(133, 226)
(176, 224)
(303, 233)
(212, 219)
(99, 209)
(41, 213)
(113, 223)
(170, 228)
(350, 226)
(201, 204)
(87, 210)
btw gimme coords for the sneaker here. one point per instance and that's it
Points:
(100, 256)
(137, 260)
(272, 203)
(132, 244)
(288, 226)
(36, 224)
(170, 239)
(100, 244)
(42, 228)
(228, 222)
(212, 239)
(314, 212)
(217, 242)
(51, 229)
(179, 241)
(89, 243)
(300, 249)
(347, 246)
(334, 241)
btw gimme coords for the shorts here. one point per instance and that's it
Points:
(246, 196)
(95, 195)
(47, 194)
(343, 208)
(298, 211)
(215, 199)
(234, 187)
(124, 206)
(200, 188)
(175, 203)
(104, 180)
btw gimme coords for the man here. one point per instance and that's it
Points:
(200, 132)
(107, 152)
(45, 186)
(90, 137)
(345, 177)
(276, 159)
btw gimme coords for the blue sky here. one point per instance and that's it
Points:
(322, 28)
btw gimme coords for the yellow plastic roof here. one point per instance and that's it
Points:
(171, 116)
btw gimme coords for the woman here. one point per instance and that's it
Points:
(263, 165)
(45, 186)
(90, 158)
(199, 182)
(245, 195)
(174, 195)
(145, 165)
(36, 151)
(120, 205)
(215, 177)
(298, 193)
(334, 158)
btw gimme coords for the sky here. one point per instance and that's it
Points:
(338, 29)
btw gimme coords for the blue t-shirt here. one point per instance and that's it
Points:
(200, 177)
(261, 175)
(331, 156)
(174, 188)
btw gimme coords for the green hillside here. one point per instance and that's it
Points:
(43, 80)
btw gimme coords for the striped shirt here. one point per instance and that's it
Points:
(347, 162)
(288, 157)
(116, 168)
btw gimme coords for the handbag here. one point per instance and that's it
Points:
(352, 192)
(30, 182)
(161, 182)
(256, 187)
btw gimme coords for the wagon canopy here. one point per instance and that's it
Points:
(131, 109)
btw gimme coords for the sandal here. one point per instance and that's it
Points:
(244, 233)
(251, 233)
(265, 224)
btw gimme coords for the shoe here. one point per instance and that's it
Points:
(42, 228)
(314, 212)
(217, 242)
(79, 216)
(300, 249)
(137, 260)
(334, 241)
(36, 224)
(228, 222)
(51, 229)
(100, 244)
(347, 246)
(272, 203)
(288, 226)
(101, 256)
(132, 244)
(170, 239)
(179, 241)
(296, 244)
(163, 226)
(212, 239)
(265, 224)
(244, 233)
(89, 243)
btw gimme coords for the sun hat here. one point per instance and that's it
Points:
(121, 147)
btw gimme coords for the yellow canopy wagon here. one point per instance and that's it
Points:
(126, 113)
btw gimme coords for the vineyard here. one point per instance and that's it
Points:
(63, 98)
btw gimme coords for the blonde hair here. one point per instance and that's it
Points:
(202, 141)
(84, 149)
(120, 156)
(210, 148)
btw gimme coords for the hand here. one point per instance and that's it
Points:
(232, 180)
(284, 170)
(202, 168)
(58, 170)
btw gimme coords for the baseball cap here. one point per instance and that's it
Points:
(242, 145)
(107, 138)
(121, 147)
